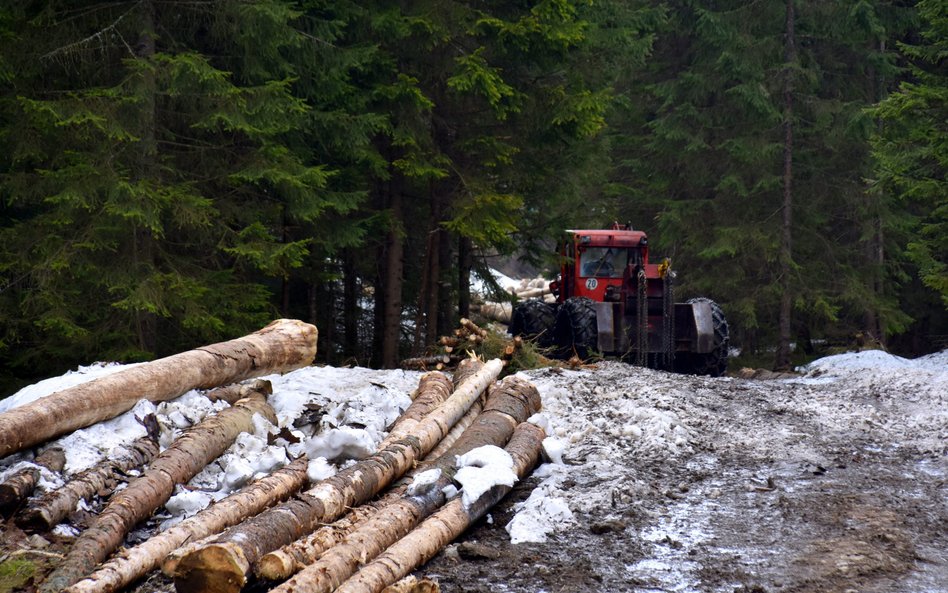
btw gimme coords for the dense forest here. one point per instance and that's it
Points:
(176, 172)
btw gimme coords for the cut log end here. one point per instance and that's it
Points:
(216, 568)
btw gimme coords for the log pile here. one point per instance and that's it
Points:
(347, 532)
(468, 338)
(529, 288)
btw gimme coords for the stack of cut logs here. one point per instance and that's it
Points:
(364, 529)
(535, 288)
(468, 337)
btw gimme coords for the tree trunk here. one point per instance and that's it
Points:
(782, 362)
(17, 487)
(511, 403)
(394, 264)
(223, 565)
(101, 480)
(188, 455)
(465, 264)
(446, 314)
(280, 347)
(252, 499)
(445, 525)
(350, 306)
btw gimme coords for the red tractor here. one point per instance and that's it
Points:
(610, 300)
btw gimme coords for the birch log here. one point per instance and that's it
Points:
(445, 525)
(147, 556)
(21, 484)
(511, 403)
(433, 389)
(282, 346)
(46, 512)
(223, 565)
(188, 455)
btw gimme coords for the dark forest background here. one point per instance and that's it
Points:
(177, 172)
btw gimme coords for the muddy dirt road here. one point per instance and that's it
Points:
(834, 482)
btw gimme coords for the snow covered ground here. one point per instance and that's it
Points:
(656, 482)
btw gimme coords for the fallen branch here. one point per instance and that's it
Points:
(101, 480)
(147, 556)
(445, 525)
(510, 404)
(282, 346)
(223, 564)
(188, 455)
(21, 484)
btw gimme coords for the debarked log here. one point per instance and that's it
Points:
(21, 484)
(510, 404)
(189, 454)
(282, 346)
(147, 556)
(49, 510)
(223, 564)
(441, 528)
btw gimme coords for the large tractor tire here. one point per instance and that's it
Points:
(712, 363)
(533, 320)
(575, 330)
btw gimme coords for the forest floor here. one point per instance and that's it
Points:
(831, 480)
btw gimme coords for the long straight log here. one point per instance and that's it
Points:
(433, 389)
(46, 512)
(187, 456)
(445, 525)
(223, 565)
(282, 346)
(514, 401)
(147, 556)
(511, 403)
(17, 487)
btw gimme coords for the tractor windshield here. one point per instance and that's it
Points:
(603, 262)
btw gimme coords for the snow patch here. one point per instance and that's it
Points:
(545, 511)
(481, 469)
(423, 482)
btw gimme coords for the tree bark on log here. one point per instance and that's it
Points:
(433, 389)
(368, 530)
(251, 500)
(21, 484)
(291, 558)
(188, 455)
(511, 403)
(445, 525)
(45, 513)
(282, 346)
(223, 565)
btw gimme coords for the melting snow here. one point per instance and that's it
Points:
(481, 469)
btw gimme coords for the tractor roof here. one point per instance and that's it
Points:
(609, 237)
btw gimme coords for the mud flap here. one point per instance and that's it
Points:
(704, 327)
(610, 337)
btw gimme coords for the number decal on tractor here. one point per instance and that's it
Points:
(591, 284)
